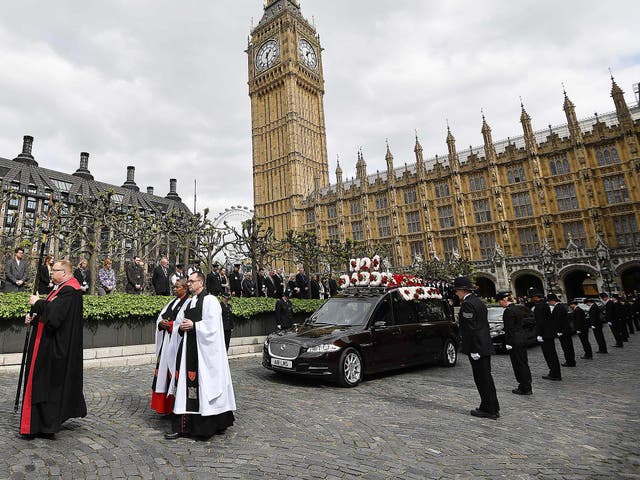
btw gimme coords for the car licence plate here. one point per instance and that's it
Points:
(276, 362)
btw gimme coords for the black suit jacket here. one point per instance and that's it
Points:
(512, 320)
(580, 321)
(595, 317)
(214, 284)
(545, 326)
(560, 316)
(474, 327)
(160, 281)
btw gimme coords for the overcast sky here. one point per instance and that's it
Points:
(162, 84)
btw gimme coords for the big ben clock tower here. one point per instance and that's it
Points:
(286, 88)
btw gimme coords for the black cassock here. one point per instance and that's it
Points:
(53, 388)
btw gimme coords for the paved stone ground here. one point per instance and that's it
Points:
(411, 425)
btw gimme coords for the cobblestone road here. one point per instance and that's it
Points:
(410, 425)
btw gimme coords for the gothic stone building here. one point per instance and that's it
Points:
(557, 208)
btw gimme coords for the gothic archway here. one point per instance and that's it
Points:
(523, 282)
(486, 287)
(630, 278)
(579, 283)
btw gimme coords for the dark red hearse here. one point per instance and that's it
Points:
(367, 330)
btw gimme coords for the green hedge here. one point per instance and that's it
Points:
(130, 308)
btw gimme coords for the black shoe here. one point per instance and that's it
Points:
(172, 435)
(47, 436)
(517, 391)
(619, 346)
(568, 364)
(549, 377)
(587, 357)
(27, 436)
(479, 413)
(599, 351)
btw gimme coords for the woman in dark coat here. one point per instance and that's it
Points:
(44, 276)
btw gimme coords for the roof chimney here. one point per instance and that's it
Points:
(26, 156)
(83, 171)
(130, 183)
(173, 195)
(150, 190)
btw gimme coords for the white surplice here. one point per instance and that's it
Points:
(214, 377)
(163, 339)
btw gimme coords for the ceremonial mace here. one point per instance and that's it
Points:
(45, 231)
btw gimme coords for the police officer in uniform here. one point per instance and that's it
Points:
(547, 331)
(284, 311)
(227, 318)
(516, 340)
(476, 342)
(581, 324)
(560, 315)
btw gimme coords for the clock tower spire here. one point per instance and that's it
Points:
(286, 87)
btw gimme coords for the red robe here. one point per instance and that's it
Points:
(53, 388)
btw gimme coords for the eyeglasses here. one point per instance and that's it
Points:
(57, 270)
(194, 281)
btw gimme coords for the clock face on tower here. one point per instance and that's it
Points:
(307, 54)
(267, 55)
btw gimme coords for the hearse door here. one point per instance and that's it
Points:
(387, 348)
(432, 320)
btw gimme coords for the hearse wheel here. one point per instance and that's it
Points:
(449, 354)
(350, 368)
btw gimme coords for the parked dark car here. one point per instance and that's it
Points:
(494, 315)
(363, 331)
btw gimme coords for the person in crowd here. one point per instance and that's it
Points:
(560, 314)
(315, 286)
(596, 319)
(16, 272)
(581, 324)
(636, 312)
(44, 276)
(201, 379)
(270, 284)
(325, 293)
(627, 315)
(178, 274)
(513, 319)
(619, 317)
(333, 286)
(224, 280)
(546, 331)
(278, 281)
(135, 276)
(214, 283)
(160, 278)
(83, 275)
(476, 342)
(106, 278)
(284, 311)
(261, 289)
(195, 267)
(611, 317)
(248, 286)
(53, 389)
(160, 401)
(227, 318)
(235, 281)
(302, 282)
(292, 287)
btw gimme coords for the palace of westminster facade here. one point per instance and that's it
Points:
(557, 209)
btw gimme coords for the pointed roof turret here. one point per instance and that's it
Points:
(417, 149)
(527, 129)
(489, 149)
(453, 154)
(572, 118)
(361, 167)
(622, 110)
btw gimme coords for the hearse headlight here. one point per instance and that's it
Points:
(323, 348)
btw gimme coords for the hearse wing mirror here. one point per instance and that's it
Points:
(379, 324)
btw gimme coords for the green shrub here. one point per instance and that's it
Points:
(135, 308)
